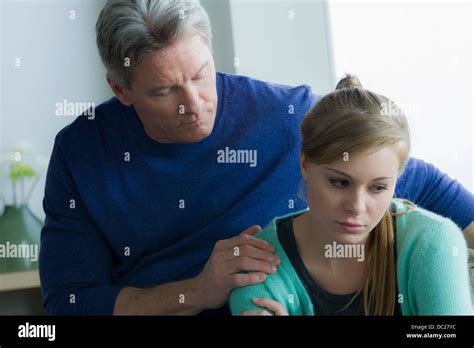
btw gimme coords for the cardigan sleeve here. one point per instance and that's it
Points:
(240, 299)
(440, 275)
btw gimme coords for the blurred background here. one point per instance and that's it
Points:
(418, 54)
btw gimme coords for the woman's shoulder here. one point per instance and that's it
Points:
(432, 263)
(418, 225)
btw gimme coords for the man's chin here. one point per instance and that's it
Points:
(197, 135)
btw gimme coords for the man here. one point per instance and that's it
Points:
(152, 206)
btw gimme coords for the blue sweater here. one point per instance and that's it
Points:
(124, 210)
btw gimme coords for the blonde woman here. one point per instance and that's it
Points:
(357, 250)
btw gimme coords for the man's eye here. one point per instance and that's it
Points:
(197, 78)
(162, 93)
(378, 188)
(339, 183)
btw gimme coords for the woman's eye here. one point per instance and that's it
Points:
(339, 183)
(378, 188)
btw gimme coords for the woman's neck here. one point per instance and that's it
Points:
(341, 274)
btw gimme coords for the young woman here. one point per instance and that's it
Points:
(357, 250)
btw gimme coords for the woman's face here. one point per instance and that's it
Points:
(347, 199)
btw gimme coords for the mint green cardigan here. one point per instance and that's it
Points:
(432, 270)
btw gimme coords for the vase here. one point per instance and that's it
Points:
(20, 233)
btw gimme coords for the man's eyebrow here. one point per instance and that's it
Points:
(350, 177)
(202, 68)
(161, 88)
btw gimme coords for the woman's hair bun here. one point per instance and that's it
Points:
(350, 81)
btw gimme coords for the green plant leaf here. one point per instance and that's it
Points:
(18, 171)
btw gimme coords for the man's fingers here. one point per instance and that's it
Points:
(245, 239)
(252, 230)
(247, 264)
(253, 253)
(237, 280)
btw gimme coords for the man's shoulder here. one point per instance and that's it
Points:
(89, 123)
(241, 79)
(238, 85)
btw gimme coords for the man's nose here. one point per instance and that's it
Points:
(191, 101)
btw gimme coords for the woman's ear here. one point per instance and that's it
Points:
(304, 166)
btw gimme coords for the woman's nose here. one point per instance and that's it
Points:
(356, 203)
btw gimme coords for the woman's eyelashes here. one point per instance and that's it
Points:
(342, 183)
(339, 183)
(379, 188)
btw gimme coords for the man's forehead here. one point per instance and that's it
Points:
(178, 61)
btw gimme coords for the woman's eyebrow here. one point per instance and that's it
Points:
(350, 177)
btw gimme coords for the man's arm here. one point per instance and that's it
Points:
(211, 288)
(173, 298)
(75, 260)
(76, 263)
(433, 190)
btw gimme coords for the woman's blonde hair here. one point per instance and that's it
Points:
(353, 121)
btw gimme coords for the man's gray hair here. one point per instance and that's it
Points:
(129, 29)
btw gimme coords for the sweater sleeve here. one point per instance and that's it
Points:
(433, 190)
(75, 259)
(440, 275)
(241, 299)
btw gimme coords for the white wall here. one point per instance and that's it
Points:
(59, 60)
(222, 34)
(420, 55)
(284, 42)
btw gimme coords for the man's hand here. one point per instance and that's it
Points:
(230, 257)
(469, 235)
(275, 307)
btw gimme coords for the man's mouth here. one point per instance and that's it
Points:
(191, 122)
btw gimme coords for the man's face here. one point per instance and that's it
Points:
(174, 92)
(356, 192)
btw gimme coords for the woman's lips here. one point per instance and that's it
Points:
(351, 227)
(348, 224)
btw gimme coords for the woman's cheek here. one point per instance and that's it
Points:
(322, 197)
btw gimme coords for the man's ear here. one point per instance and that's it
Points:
(120, 92)
(304, 166)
